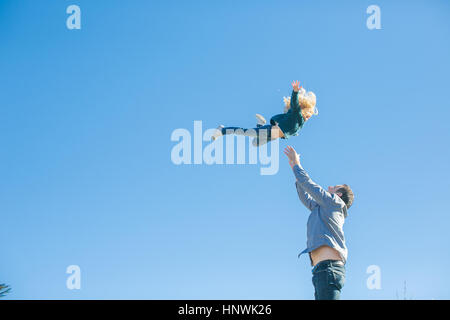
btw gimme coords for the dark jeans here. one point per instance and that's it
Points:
(262, 134)
(328, 280)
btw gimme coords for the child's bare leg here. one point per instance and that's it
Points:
(257, 142)
(266, 136)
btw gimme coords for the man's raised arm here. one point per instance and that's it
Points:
(317, 193)
(304, 197)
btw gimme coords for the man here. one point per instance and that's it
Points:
(325, 236)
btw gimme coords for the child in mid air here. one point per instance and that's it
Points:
(298, 109)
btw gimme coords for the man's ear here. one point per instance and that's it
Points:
(339, 194)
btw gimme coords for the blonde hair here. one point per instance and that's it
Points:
(307, 102)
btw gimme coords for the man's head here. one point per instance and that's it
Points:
(344, 192)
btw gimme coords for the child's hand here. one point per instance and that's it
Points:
(296, 85)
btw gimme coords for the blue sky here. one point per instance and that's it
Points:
(86, 118)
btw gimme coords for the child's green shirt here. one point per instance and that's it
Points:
(292, 121)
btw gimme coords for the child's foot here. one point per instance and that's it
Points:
(218, 133)
(260, 121)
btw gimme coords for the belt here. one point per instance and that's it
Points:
(335, 262)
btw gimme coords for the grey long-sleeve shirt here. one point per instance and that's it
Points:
(328, 213)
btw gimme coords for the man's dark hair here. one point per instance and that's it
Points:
(347, 195)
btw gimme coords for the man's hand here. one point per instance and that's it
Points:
(293, 156)
(296, 85)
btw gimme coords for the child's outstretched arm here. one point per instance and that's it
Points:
(294, 97)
